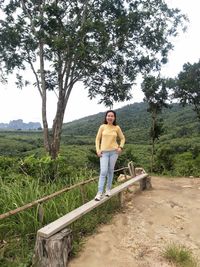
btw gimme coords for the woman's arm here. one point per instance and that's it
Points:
(121, 137)
(98, 139)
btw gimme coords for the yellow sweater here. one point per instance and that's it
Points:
(106, 138)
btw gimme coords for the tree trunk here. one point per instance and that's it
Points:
(58, 121)
(53, 251)
(43, 86)
(57, 128)
(153, 141)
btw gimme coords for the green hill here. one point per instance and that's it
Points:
(135, 122)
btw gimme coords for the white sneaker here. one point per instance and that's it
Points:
(108, 193)
(98, 196)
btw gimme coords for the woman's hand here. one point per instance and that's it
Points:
(99, 154)
(119, 150)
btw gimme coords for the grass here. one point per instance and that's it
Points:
(180, 256)
(18, 232)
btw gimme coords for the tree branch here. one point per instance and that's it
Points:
(29, 16)
(34, 72)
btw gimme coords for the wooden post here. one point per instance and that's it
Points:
(131, 169)
(54, 250)
(82, 190)
(124, 171)
(121, 199)
(145, 183)
(40, 211)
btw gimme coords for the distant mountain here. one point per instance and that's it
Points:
(20, 125)
(135, 121)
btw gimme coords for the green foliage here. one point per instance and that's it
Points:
(76, 140)
(125, 157)
(7, 165)
(14, 143)
(164, 157)
(93, 159)
(186, 165)
(180, 256)
(179, 157)
(101, 49)
(45, 168)
(155, 91)
(187, 86)
(156, 95)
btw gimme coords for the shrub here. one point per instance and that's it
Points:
(7, 165)
(45, 168)
(180, 255)
(183, 164)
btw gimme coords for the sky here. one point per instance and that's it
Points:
(25, 104)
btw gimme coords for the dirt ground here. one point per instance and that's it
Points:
(148, 223)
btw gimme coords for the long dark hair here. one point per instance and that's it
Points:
(114, 122)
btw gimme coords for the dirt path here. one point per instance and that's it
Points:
(149, 222)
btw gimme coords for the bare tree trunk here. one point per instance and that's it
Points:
(152, 154)
(44, 93)
(58, 122)
(56, 131)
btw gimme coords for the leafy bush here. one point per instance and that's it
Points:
(164, 159)
(185, 165)
(179, 157)
(7, 165)
(46, 169)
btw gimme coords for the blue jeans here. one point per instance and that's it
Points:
(107, 165)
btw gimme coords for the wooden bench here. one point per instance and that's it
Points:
(54, 241)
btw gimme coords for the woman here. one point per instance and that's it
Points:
(108, 150)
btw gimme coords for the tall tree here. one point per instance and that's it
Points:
(156, 95)
(102, 43)
(187, 86)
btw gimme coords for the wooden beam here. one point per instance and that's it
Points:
(70, 217)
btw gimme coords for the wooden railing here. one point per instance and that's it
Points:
(38, 202)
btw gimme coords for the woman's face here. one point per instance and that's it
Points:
(110, 117)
